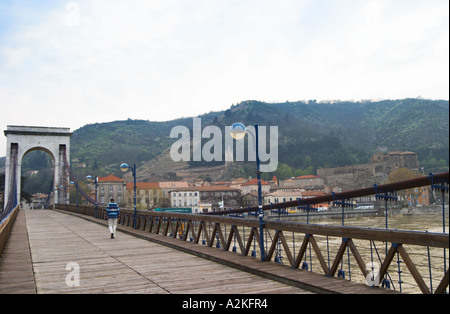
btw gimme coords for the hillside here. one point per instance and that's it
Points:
(311, 135)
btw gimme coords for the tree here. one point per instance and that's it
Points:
(401, 174)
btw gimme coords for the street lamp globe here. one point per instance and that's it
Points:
(89, 178)
(237, 131)
(124, 167)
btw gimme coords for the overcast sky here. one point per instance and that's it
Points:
(69, 64)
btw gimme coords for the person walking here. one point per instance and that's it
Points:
(112, 211)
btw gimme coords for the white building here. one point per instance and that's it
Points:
(281, 196)
(185, 198)
(206, 198)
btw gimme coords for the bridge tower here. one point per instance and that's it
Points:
(23, 139)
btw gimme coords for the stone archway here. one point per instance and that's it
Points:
(24, 139)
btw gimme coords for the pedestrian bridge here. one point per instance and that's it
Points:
(68, 250)
(69, 254)
(50, 251)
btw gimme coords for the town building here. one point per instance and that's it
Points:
(308, 182)
(396, 160)
(148, 195)
(152, 195)
(206, 198)
(111, 186)
(236, 183)
(281, 196)
(310, 194)
(185, 197)
(419, 196)
(38, 201)
(252, 186)
(168, 186)
(364, 175)
(250, 200)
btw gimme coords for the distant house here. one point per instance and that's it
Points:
(395, 160)
(185, 197)
(281, 196)
(152, 195)
(168, 186)
(310, 194)
(309, 182)
(408, 160)
(38, 200)
(250, 200)
(148, 195)
(419, 196)
(206, 198)
(111, 186)
(364, 175)
(252, 186)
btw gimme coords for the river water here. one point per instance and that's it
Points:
(400, 278)
(420, 222)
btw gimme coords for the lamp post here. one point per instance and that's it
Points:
(90, 179)
(124, 168)
(238, 132)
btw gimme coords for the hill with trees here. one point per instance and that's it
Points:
(312, 135)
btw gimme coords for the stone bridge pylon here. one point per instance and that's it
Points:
(23, 139)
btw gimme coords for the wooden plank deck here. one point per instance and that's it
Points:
(126, 264)
(141, 262)
(16, 271)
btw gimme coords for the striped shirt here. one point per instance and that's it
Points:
(112, 210)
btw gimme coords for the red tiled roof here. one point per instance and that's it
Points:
(313, 193)
(109, 178)
(255, 182)
(211, 188)
(306, 177)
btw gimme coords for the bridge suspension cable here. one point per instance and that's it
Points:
(50, 190)
(72, 178)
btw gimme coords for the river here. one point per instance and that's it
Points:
(431, 222)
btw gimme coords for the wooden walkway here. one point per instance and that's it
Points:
(16, 269)
(138, 262)
(125, 264)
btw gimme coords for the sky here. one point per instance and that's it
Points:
(72, 63)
